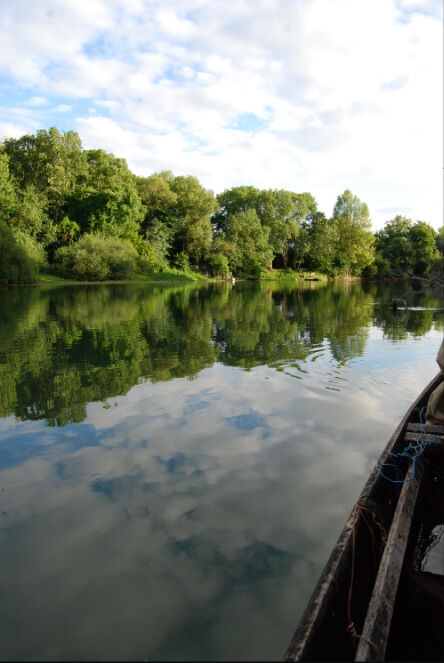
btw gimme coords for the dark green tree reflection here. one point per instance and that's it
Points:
(62, 348)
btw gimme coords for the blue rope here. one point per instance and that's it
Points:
(412, 452)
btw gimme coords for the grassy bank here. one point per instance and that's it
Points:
(290, 275)
(170, 276)
(177, 276)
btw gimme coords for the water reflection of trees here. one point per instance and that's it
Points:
(62, 348)
(398, 325)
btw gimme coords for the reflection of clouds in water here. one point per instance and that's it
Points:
(247, 422)
(28, 441)
(165, 528)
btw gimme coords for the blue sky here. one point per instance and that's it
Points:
(307, 95)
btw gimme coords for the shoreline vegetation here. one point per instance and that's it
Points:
(71, 215)
(178, 277)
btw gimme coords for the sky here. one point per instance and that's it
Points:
(306, 95)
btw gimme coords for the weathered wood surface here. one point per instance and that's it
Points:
(427, 428)
(376, 629)
(423, 437)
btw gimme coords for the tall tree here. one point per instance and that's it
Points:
(234, 200)
(393, 244)
(108, 201)
(355, 248)
(8, 198)
(194, 207)
(249, 250)
(423, 239)
(440, 241)
(159, 201)
(277, 210)
(323, 242)
(50, 161)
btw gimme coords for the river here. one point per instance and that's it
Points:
(176, 462)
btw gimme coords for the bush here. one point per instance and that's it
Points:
(182, 262)
(436, 272)
(149, 259)
(97, 258)
(33, 249)
(217, 265)
(17, 265)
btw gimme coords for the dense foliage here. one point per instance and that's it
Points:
(83, 214)
(97, 258)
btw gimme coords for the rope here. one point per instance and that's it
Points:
(412, 452)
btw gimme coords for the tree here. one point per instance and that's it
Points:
(323, 241)
(108, 201)
(50, 161)
(282, 212)
(393, 245)
(277, 210)
(423, 240)
(193, 210)
(159, 202)
(250, 251)
(231, 201)
(8, 197)
(305, 212)
(17, 265)
(355, 248)
(440, 241)
(407, 248)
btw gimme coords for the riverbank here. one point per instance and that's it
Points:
(176, 276)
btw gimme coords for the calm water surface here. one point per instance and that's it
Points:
(176, 463)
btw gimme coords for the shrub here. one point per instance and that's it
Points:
(149, 259)
(182, 262)
(436, 272)
(97, 258)
(17, 265)
(217, 265)
(33, 249)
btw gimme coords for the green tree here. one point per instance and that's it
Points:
(393, 245)
(355, 249)
(8, 198)
(277, 211)
(17, 265)
(440, 241)
(231, 201)
(52, 162)
(108, 201)
(159, 202)
(193, 210)
(423, 241)
(248, 247)
(323, 242)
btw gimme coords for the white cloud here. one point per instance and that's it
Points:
(350, 94)
(38, 101)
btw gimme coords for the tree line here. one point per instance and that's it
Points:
(83, 214)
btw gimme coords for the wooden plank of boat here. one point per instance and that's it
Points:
(427, 438)
(322, 631)
(426, 428)
(374, 638)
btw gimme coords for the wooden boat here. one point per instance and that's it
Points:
(373, 600)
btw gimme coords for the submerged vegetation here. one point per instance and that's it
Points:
(82, 214)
